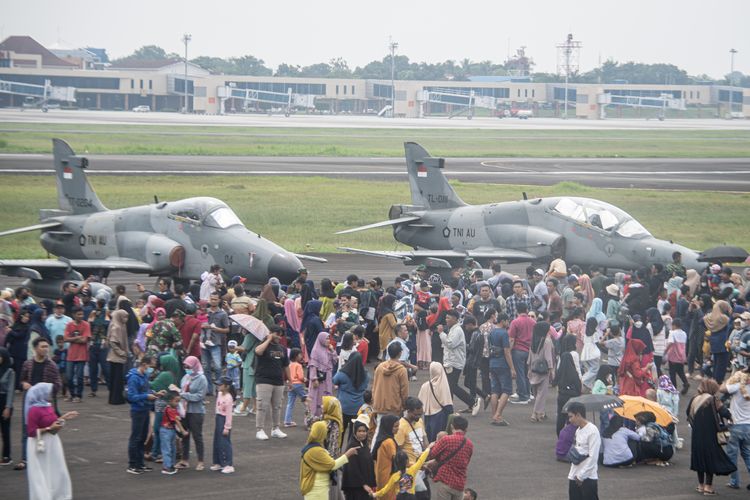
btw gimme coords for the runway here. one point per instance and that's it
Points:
(360, 121)
(719, 174)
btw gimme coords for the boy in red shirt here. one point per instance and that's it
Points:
(170, 425)
(77, 335)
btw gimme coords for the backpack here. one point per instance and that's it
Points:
(661, 437)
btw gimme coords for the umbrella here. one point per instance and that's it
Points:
(724, 254)
(631, 405)
(251, 324)
(595, 402)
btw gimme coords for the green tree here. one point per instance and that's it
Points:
(215, 65)
(250, 66)
(148, 52)
(287, 70)
(319, 70)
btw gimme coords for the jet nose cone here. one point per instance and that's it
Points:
(284, 267)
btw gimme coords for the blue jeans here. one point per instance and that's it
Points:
(298, 391)
(739, 441)
(97, 360)
(222, 443)
(211, 361)
(137, 441)
(74, 372)
(520, 360)
(234, 374)
(168, 442)
(156, 445)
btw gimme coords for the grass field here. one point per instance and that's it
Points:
(302, 214)
(256, 141)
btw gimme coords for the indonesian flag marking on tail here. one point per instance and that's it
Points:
(421, 170)
(67, 173)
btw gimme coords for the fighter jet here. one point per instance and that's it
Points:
(180, 239)
(443, 230)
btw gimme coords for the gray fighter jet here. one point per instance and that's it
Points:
(180, 239)
(443, 230)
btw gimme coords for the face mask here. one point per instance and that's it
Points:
(743, 324)
(188, 371)
(149, 370)
(58, 315)
(638, 324)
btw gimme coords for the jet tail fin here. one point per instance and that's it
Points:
(74, 193)
(429, 187)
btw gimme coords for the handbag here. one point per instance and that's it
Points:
(574, 456)
(540, 365)
(39, 442)
(722, 437)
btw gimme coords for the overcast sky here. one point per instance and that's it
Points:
(694, 35)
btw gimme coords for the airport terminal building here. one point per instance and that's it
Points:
(26, 68)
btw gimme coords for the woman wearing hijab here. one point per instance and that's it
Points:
(597, 311)
(292, 324)
(268, 294)
(193, 409)
(719, 325)
(584, 282)
(360, 471)
(352, 382)
(541, 348)
(7, 390)
(327, 296)
(132, 324)
(17, 342)
(437, 401)
(261, 312)
(37, 329)
(658, 333)
(692, 281)
(568, 378)
(638, 331)
(386, 323)
(47, 472)
(117, 338)
(317, 464)
(249, 392)
(311, 324)
(633, 377)
(169, 368)
(590, 353)
(707, 457)
(384, 450)
(320, 372)
(333, 417)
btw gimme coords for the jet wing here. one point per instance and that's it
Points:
(44, 225)
(504, 254)
(311, 258)
(34, 268)
(392, 222)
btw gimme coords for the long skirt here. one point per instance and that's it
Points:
(424, 346)
(437, 422)
(47, 472)
(116, 383)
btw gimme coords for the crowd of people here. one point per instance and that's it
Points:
(167, 352)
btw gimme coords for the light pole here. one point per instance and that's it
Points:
(393, 46)
(185, 39)
(568, 49)
(732, 52)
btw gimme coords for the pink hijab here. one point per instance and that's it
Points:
(320, 357)
(157, 311)
(194, 364)
(290, 312)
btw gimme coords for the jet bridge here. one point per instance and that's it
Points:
(286, 100)
(462, 102)
(38, 96)
(663, 102)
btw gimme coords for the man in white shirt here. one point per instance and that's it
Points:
(583, 479)
(739, 430)
(454, 357)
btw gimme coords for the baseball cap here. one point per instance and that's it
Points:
(572, 277)
(421, 267)
(745, 315)
(232, 343)
(539, 272)
(238, 279)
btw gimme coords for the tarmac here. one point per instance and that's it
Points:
(711, 174)
(514, 462)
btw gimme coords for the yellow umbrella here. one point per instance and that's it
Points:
(631, 405)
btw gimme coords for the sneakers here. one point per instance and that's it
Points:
(227, 470)
(6, 461)
(241, 413)
(215, 467)
(169, 472)
(146, 468)
(290, 424)
(277, 433)
(133, 470)
(261, 435)
(76, 400)
(476, 407)
(520, 402)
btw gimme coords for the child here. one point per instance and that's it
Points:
(366, 409)
(402, 480)
(675, 354)
(170, 425)
(615, 345)
(361, 343)
(233, 360)
(59, 356)
(669, 398)
(223, 428)
(299, 384)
